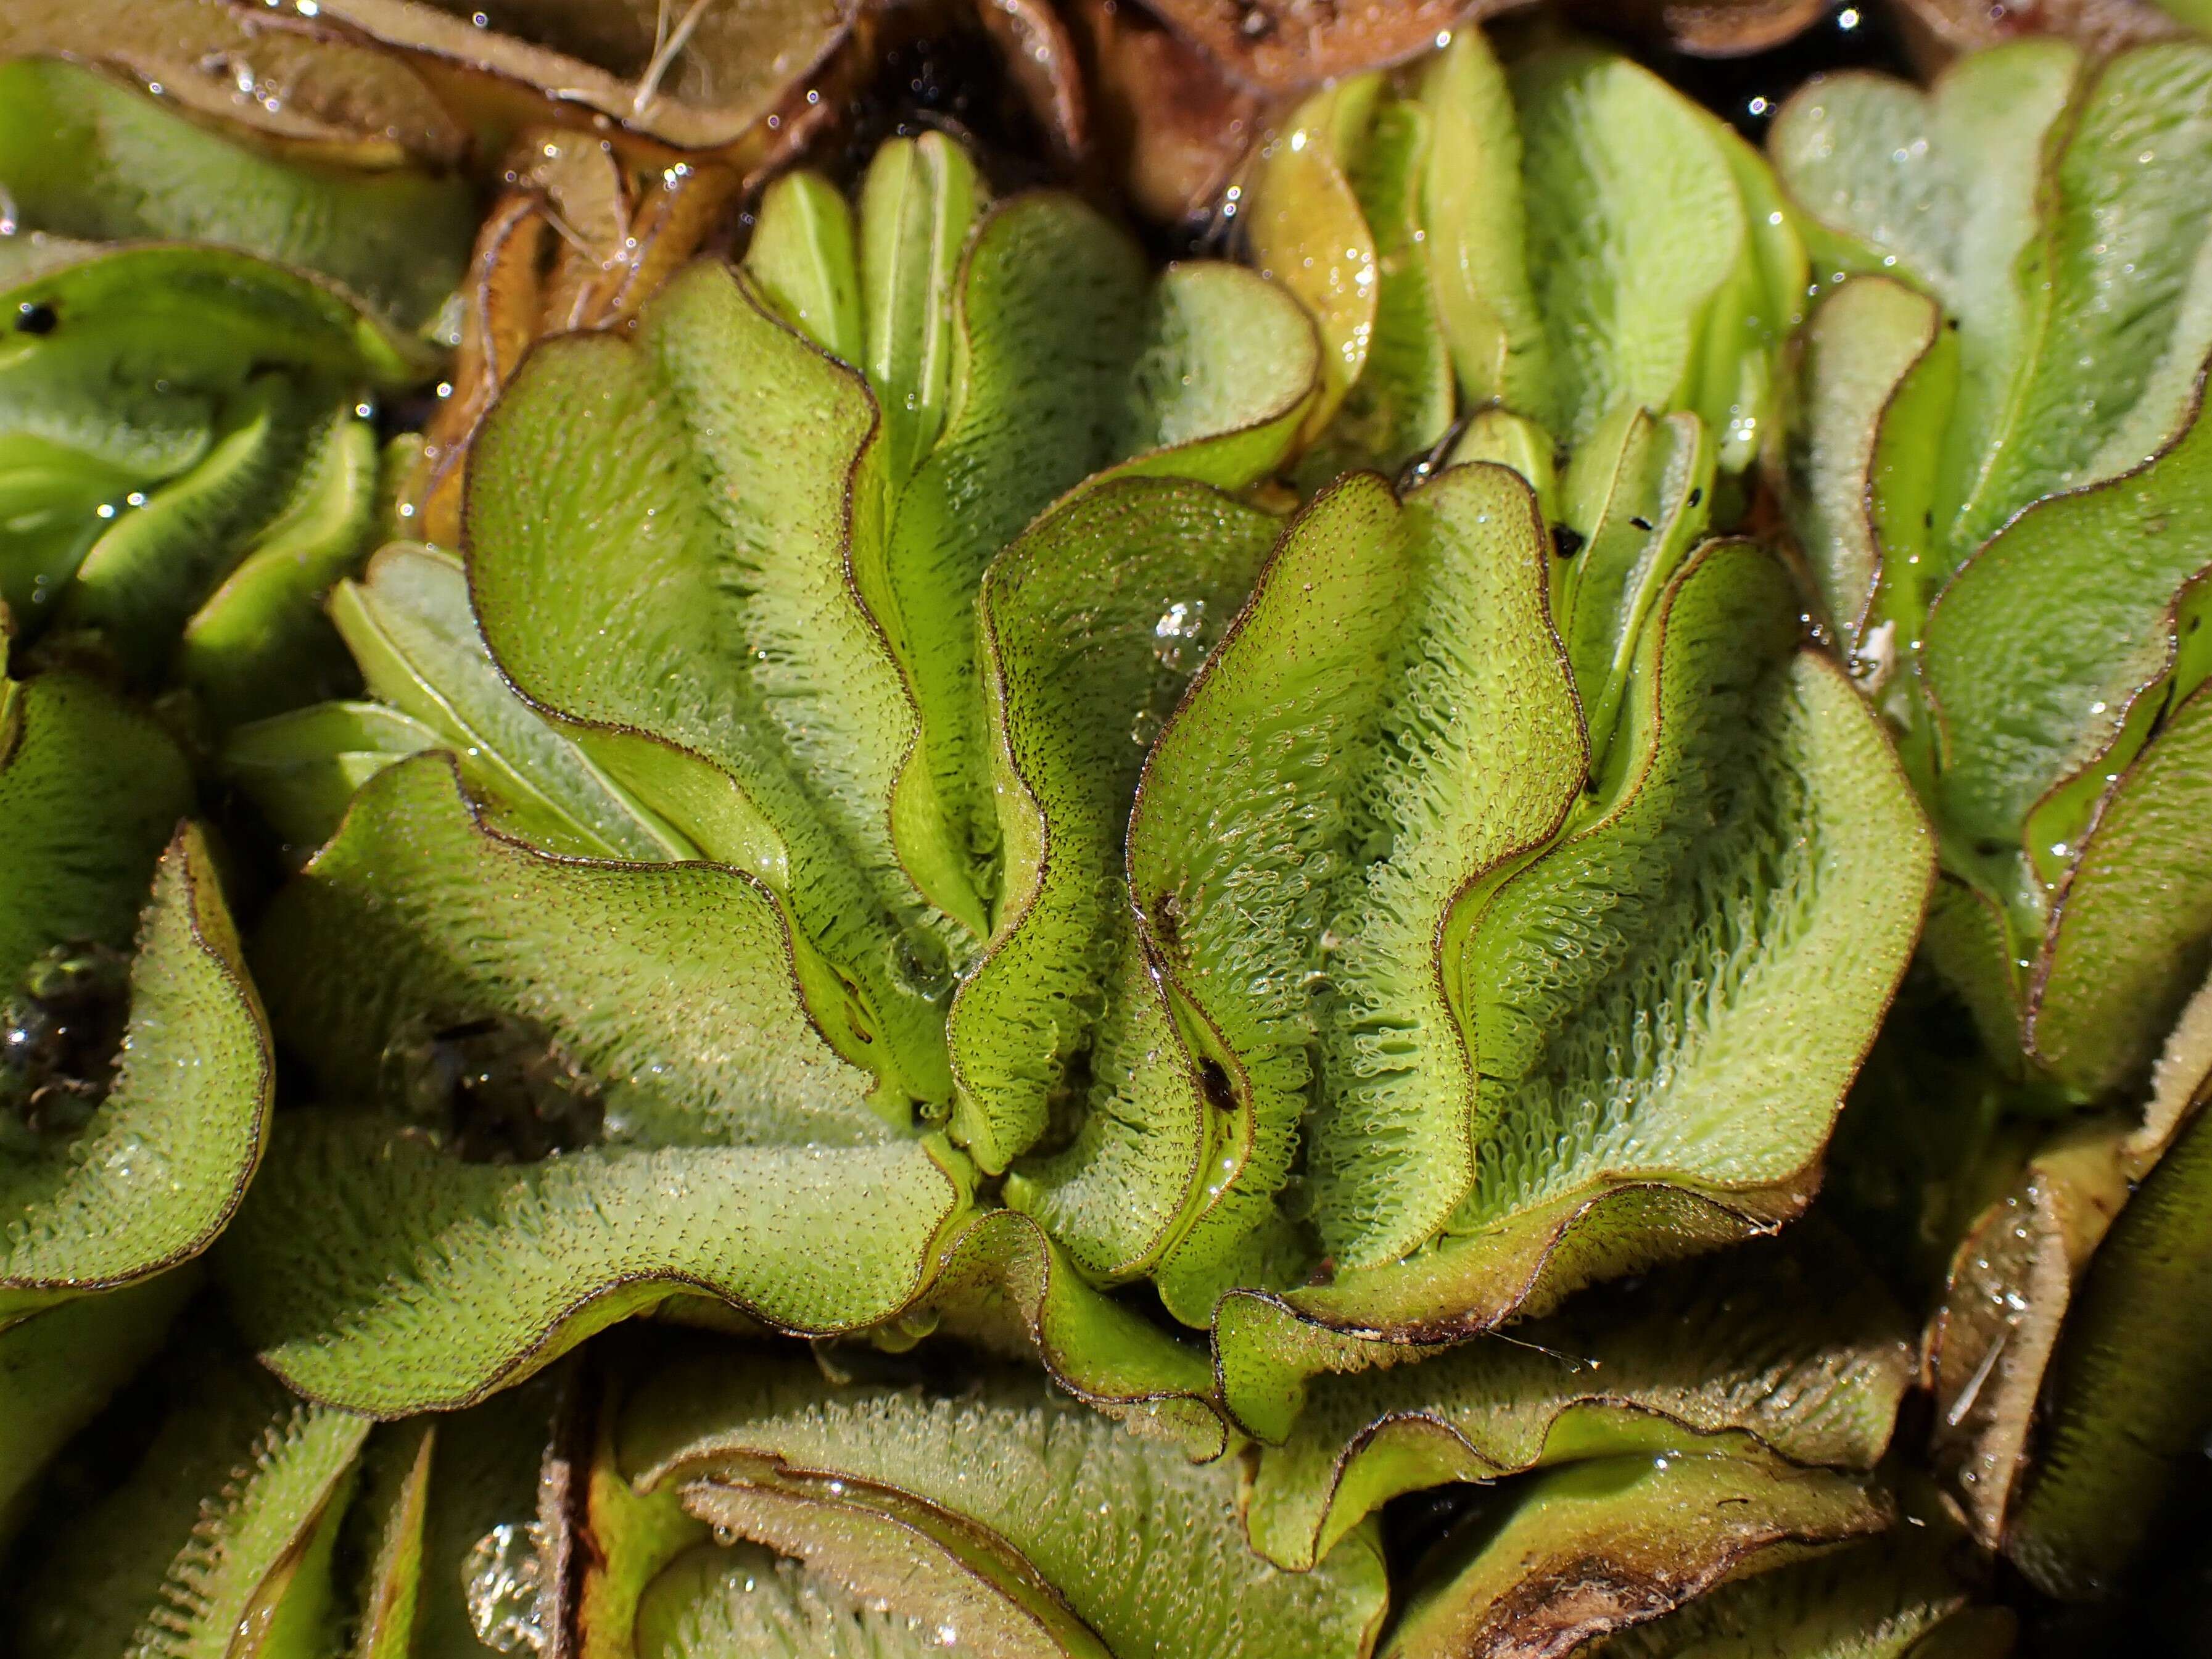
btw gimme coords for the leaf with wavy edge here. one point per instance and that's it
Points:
(2045, 660)
(1577, 1554)
(1617, 1079)
(917, 204)
(1876, 375)
(1338, 717)
(735, 1134)
(2131, 923)
(1005, 1284)
(84, 157)
(2020, 194)
(1091, 624)
(1898, 1597)
(724, 669)
(1043, 1524)
(58, 1370)
(260, 643)
(2017, 1274)
(1477, 226)
(1202, 372)
(1635, 225)
(408, 623)
(218, 1543)
(162, 1167)
(1795, 1349)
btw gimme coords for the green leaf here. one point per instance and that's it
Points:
(1635, 225)
(373, 1265)
(1877, 373)
(386, 1531)
(409, 625)
(1898, 1597)
(216, 1543)
(161, 1166)
(1306, 230)
(1638, 494)
(2039, 648)
(85, 157)
(744, 1598)
(1752, 854)
(1091, 624)
(1005, 1284)
(141, 580)
(1401, 404)
(2134, 918)
(1023, 1521)
(212, 314)
(2030, 192)
(260, 643)
(802, 256)
(723, 668)
(1794, 1350)
(2124, 1405)
(1391, 686)
(58, 1370)
(1477, 226)
(302, 770)
(1579, 1553)
(90, 792)
(918, 203)
(1067, 363)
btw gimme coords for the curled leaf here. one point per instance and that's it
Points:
(1579, 1553)
(1795, 1351)
(1006, 1515)
(693, 1081)
(166, 1130)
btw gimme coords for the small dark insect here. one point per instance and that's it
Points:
(1213, 1082)
(59, 1044)
(1697, 496)
(493, 1091)
(1641, 522)
(36, 317)
(1564, 542)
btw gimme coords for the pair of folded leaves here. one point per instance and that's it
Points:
(675, 1496)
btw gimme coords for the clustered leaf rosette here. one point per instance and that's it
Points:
(915, 793)
(195, 327)
(842, 761)
(1993, 464)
